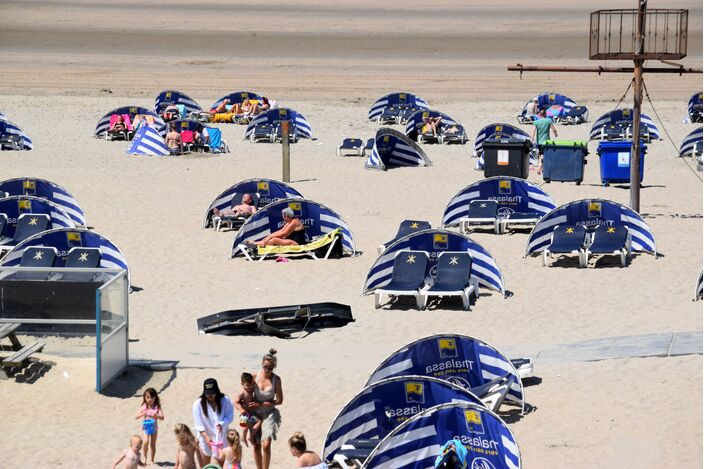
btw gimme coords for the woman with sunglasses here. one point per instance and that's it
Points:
(268, 393)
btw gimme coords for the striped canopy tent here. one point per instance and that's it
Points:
(16, 205)
(460, 359)
(104, 123)
(383, 405)
(416, 443)
(63, 239)
(393, 149)
(237, 97)
(691, 145)
(273, 117)
(591, 213)
(699, 290)
(8, 129)
(147, 141)
(694, 108)
(623, 118)
(415, 121)
(268, 190)
(496, 131)
(408, 99)
(317, 218)
(512, 195)
(169, 97)
(187, 124)
(548, 99)
(45, 190)
(435, 241)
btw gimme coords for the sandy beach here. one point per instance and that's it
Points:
(67, 63)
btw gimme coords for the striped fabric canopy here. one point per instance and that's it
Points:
(463, 360)
(547, 99)
(237, 97)
(104, 123)
(269, 191)
(187, 124)
(391, 99)
(699, 291)
(496, 131)
(415, 121)
(591, 213)
(63, 239)
(416, 443)
(689, 144)
(624, 118)
(694, 108)
(275, 116)
(169, 97)
(393, 149)
(512, 195)
(147, 141)
(16, 205)
(45, 190)
(435, 241)
(317, 218)
(382, 406)
(7, 128)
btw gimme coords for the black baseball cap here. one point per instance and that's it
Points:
(210, 387)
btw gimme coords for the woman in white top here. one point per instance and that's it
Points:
(268, 393)
(305, 459)
(212, 413)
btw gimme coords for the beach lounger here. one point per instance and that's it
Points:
(493, 393)
(126, 134)
(263, 133)
(80, 258)
(610, 240)
(519, 218)
(576, 115)
(452, 278)
(389, 115)
(234, 223)
(481, 212)
(566, 239)
(187, 140)
(353, 146)
(407, 277)
(36, 256)
(524, 367)
(277, 135)
(368, 147)
(353, 453)
(322, 247)
(28, 224)
(405, 228)
(452, 134)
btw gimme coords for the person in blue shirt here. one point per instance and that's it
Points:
(541, 134)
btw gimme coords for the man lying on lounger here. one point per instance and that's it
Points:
(293, 233)
(245, 209)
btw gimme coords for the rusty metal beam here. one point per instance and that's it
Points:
(543, 68)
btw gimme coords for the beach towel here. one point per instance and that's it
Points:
(224, 117)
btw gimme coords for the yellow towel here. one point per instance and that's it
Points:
(312, 246)
(225, 117)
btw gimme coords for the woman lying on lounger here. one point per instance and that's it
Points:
(293, 233)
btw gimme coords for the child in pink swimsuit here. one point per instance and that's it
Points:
(150, 412)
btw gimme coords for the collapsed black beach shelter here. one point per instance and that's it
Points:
(12, 137)
(171, 97)
(15, 206)
(463, 360)
(434, 241)
(317, 219)
(383, 405)
(45, 190)
(395, 99)
(417, 443)
(268, 190)
(414, 124)
(591, 213)
(393, 149)
(237, 97)
(103, 124)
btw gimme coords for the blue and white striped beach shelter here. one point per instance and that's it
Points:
(416, 443)
(171, 97)
(415, 121)
(403, 99)
(8, 129)
(317, 218)
(393, 149)
(147, 141)
(463, 360)
(495, 131)
(591, 213)
(274, 117)
(435, 241)
(17, 205)
(548, 99)
(383, 405)
(623, 118)
(104, 123)
(691, 145)
(45, 190)
(512, 195)
(237, 97)
(63, 239)
(268, 190)
(694, 108)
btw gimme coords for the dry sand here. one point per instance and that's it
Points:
(331, 62)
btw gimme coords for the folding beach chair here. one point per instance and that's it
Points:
(28, 224)
(407, 277)
(353, 146)
(519, 218)
(452, 134)
(566, 239)
(216, 144)
(405, 228)
(452, 278)
(234, 223)
(368, 147)
(481, 212)
(322, 247)
(36, 256)
(493, 393)
(187, 140)
(610, 240)
(576, 115)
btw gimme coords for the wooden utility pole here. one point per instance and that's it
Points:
(637, 101)
(285, 152)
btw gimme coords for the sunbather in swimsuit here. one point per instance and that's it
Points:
(291, 234)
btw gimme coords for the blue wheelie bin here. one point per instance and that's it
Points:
(564, 160)
(615, 161)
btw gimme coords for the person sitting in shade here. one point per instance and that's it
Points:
(119, 126)
(293, 233)
(220, 108)
(541, 133)
(245, 209)
(173, 140)
(532, 108)
(431, 124)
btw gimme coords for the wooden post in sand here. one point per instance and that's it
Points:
(637, 100)
(285, 152)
